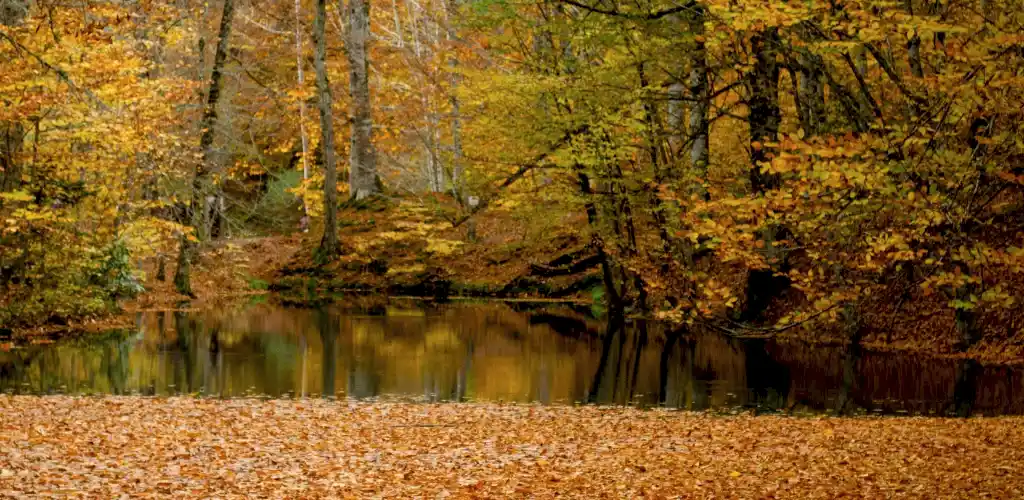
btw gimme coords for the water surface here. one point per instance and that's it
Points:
(495, 352)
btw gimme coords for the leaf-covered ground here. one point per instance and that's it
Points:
(108, 447)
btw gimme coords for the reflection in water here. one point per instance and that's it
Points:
(965, 388)
(492, 352)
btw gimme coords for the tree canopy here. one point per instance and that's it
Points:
(752, 167)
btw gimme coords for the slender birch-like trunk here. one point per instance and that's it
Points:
(301, 77)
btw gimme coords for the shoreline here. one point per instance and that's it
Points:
(985, 352)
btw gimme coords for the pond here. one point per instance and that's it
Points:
(495, 352)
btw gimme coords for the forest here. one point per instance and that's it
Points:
(543, 227)
(843, 169)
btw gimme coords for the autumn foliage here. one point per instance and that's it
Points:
(844, 168)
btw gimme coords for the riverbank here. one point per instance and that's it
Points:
(113, 446)
(403, 248)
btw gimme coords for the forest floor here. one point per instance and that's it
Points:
(140, 447)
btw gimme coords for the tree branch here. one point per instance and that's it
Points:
(650, 16)
(518, 174)
(884, 63)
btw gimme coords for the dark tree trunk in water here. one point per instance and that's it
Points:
(664, 364)
(363, 180)
(769, 381)
(965, 391)
(189, 248)
(329, 243)
(616, 327)
(185, 330)
(328, 338)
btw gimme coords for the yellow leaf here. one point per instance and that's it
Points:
(17, 196)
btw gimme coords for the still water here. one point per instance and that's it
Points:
(495, 352)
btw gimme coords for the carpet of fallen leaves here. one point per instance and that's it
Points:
(139, 447)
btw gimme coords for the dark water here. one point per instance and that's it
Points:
(494, 352)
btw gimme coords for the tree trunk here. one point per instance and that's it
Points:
(764, 116)
(301, 77)
(182, 276)
(676, 110)
(699, 154)
(811, 92)
(853, 325)
(363, 180)
(914, 56)
(12, 134)
(764, 119)
(966, 326)
(329, 243)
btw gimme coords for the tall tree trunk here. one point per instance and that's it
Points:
(699, 93)
(458, 187)
(853, 324)
(301, 78)
(810, 86)
(12, 134)
(764, 115)
(676, 110)
(914, 56)
(189, 248)
(329, 243)
(363, 179)
(764, 119)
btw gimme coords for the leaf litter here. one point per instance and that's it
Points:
(242, 448)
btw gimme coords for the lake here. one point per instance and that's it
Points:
(492, 351)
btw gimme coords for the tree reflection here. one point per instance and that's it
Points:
(608, 359)
(965, 389)
(664, 365)
(768, 380)
(328, 328)
(491, 352)
(849, 385)
(184, 329)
